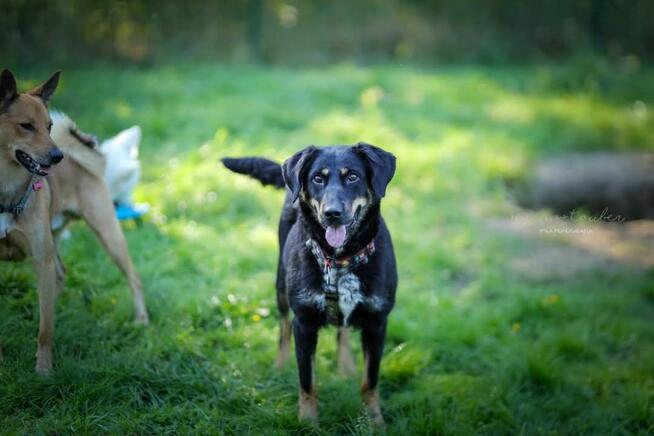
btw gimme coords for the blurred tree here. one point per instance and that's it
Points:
(314, 31)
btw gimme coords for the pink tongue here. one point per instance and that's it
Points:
(335, 236)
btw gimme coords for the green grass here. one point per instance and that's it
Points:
(474, 345)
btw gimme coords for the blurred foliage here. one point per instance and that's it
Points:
(314, 31)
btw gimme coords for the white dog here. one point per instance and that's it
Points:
(123, 170)
(120, 167)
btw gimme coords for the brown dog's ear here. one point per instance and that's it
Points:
(47, 88)
(382, 166)
(294, 167)
(8, 91)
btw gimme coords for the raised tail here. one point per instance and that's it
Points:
(266, 171)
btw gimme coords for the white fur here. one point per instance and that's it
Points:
(310, 298)
(349, 295)
(123, 169)
(6, 224)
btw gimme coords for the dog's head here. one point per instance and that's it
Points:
(25, 125)
(339, 184)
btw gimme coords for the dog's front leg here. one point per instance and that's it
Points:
(44, 263)
(306, 338)
(372, 341)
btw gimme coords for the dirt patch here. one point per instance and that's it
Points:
(562, 248)
(617, 184)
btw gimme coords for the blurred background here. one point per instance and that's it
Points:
(521, 212)
(318, 32)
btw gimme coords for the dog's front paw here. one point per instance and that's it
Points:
(308, 408)
(44, 360)
(373, 410)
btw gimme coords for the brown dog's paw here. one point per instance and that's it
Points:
(308, 408)
(142, 318)
(44, 361)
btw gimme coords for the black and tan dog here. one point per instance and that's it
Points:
(336, 265)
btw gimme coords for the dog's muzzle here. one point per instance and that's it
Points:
(39, 168)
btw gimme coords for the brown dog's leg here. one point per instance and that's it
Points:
(346, 365)
(60, 270)
(47, 290)
(98, 212)
(372, 340)
(284, 341)
(44, 264)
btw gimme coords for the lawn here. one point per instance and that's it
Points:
(478, 342)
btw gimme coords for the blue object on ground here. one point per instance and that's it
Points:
(131, 211)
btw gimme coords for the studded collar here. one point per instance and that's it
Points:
(341, 263)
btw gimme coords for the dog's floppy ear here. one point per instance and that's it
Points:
(382, 166)
(293, 168)
(47, 88)
(8, 91)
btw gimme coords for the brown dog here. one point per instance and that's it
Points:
(34, 194)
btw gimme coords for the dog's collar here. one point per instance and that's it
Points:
(35, 184)
(346, 262)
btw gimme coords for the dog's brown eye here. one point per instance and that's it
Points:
(28, 126)
(352, 177)
(318, 179)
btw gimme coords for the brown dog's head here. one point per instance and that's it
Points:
(25, 125)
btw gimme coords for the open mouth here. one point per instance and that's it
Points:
(337, 235)
(31, 165)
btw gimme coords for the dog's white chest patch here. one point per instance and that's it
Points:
(348, 288)
(6, 224)
(349, 295)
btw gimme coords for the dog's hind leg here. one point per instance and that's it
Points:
(346, 365)
(372, 341)
(285, 331)
(284, 321)
(98, 212)
(60, 270)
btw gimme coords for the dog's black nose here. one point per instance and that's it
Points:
(333, 213)
(56, 155)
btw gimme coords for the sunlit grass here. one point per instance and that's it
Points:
(473, 346)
